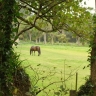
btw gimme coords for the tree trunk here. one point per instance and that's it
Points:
(52, 39)
(93, 65)
(93, 59)
(78, 40)
(36, 40)
(39, 39)
(30, 36)
(44, 38)
(6, 14)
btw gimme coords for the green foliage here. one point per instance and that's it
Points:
(50, 16)
(62, 38)
(62, 91)
(6, 52)
(92, 45)
(21, 81)
(16, 78)
(9, 61)
(86, 89)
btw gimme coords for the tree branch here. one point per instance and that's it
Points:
(33, 25)
(29, 4)
(54, 83)
(22, 32)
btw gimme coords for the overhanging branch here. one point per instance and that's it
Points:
(34, 25)
(24, 30)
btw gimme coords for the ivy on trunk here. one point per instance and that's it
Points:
(6, 18)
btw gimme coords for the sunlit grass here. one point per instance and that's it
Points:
(63, 60)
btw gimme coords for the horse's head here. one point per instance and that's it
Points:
(39, 52)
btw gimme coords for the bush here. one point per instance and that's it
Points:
(86, 89)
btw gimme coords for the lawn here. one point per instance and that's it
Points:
(56, 63)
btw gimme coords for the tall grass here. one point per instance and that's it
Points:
(59, 60)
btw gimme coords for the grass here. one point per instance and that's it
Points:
(59, 59)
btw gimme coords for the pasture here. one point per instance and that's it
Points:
(56, 63)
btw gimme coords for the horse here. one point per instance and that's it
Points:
(35, 48)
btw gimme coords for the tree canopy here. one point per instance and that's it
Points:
(59, 14)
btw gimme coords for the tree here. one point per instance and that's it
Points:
(92, 58)
(9, 64)
(6, 18)
(52, 37)
(65, 14)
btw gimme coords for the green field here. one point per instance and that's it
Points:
(56, 63)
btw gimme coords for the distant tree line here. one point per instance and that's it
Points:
(62, 36)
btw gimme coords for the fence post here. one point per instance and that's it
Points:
(73, 93)
(76, 81)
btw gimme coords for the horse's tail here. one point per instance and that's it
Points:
(30, 51)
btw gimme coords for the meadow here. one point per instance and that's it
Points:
(56, 63)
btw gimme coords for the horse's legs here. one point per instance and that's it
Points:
(32, 53)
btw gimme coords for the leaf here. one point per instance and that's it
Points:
(84, 3)
(62, 88)
(26, 12)
(57, 93)
(38, 64)
(28, 93)
(84, 67)
(15, 91)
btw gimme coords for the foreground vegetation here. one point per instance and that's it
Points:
(56, 63)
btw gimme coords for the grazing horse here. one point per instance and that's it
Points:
(35, 48)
